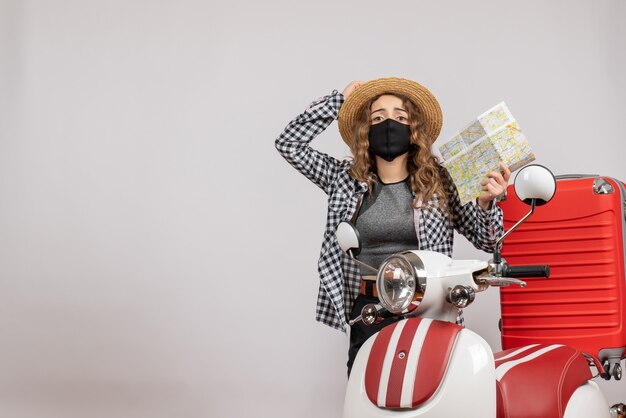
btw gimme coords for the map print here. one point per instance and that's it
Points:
(473, 132)
(492, 137)
(496, 117)
(452, 147)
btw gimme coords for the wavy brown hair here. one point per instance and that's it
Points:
(424, 168)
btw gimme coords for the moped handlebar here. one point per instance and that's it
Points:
(521, 272)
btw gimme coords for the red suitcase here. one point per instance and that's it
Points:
(580, 235)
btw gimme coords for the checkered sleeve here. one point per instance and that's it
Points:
(293, 142)
(481, 227)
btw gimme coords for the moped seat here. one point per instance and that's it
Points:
(537, 381)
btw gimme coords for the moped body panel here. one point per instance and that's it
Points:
(467, 389)
(587, 402)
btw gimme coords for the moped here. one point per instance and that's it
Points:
(425, 365)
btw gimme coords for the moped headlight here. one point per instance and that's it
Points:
(401, 279)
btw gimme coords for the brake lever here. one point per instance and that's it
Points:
(504, 281)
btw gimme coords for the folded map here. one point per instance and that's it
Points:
(493, 137)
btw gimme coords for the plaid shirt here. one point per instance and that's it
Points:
(339, 275)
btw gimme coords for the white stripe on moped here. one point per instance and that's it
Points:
(516, 352)
(504, 368)
(389, 356)
(408, 383)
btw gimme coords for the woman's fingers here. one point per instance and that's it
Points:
(351, 87)
(502, 177)
(494, 184)
(493, 187)
(506, 173)
(497, 176)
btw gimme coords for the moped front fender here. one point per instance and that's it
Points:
(467, 389)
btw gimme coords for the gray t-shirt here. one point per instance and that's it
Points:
(385, 223)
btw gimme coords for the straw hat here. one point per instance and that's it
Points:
(418, 94)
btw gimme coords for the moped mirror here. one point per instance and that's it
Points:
(535, 182)
(534, 185)
(348, 238)
(350, 243)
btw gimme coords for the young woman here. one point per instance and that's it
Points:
(393, 189)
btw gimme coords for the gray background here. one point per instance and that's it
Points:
(158, 258)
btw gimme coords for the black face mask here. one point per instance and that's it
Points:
(389, 139)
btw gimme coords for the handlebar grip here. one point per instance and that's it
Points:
(521, 272)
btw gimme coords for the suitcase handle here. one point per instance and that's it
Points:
(521, 272)
(575, 176)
